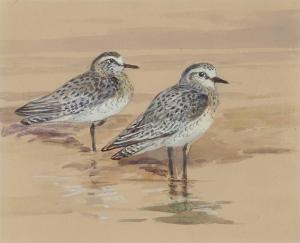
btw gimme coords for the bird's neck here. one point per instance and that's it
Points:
(210, 91)
(103, 73)
(126, 87)
(213, 98)
(197, 85)
(122, 76)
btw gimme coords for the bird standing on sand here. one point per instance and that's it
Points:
(175, 118)
(91, 97)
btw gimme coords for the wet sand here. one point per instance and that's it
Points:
(243, 173)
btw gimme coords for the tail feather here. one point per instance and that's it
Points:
(112, 146)
(31, 110)
(35, 119)
(43, 105)
(131, 150)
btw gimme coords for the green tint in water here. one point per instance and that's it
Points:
(190, 212)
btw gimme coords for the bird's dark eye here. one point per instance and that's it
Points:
(202, 74)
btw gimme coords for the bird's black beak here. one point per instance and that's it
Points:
(219, 80)
(126, 65)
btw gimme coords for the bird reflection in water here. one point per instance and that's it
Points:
(178, 188)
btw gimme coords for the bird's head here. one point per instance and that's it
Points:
(110, 63)
(201, 73)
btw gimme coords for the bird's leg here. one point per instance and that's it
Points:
(184, 188)
(185, 151)
(92, 130)
(170, 164)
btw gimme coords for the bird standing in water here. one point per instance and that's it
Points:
(91, 97)
(175, 118)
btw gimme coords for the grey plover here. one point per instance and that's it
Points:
(175, 117)
(91, 97)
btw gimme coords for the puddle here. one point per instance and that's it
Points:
(185, 209)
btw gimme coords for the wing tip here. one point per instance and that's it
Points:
(117, 156)
(108, 147)
(20, 111)
(25, 122)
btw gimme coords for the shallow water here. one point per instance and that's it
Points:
(243, 174)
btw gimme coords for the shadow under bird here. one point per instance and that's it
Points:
(91, 97)
(175, 118)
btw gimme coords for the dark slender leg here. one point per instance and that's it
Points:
(184, 165)
(171, 168)
(184, 188)
(172, 188)
(92, 131)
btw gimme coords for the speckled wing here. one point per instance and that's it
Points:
(82, 92)
(168, 112)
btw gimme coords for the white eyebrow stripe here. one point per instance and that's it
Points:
(209, 73)
(119, 60)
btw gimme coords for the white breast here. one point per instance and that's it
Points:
(192, 131)
(105, 110)
(100, 112)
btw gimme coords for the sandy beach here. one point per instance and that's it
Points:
(243, 173)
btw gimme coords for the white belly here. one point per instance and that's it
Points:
(190, 132)
(100, 112)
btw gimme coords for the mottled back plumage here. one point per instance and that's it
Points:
(166, 114)
(84, 91)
